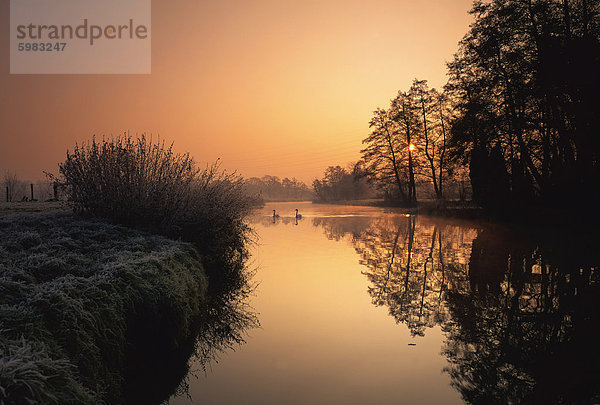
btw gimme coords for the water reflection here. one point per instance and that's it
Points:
(524, 330)
(411, 263)
(519, 309)
(156, 374)
(228, 316)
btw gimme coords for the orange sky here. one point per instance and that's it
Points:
(277, 87)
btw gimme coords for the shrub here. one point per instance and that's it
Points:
(127, 179)
(138, 182)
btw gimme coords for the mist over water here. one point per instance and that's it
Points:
(366, 305)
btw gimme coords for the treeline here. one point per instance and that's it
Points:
(518, 116)
(272, 188)
(340, 184)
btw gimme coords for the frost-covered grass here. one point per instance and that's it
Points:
(22, 207)
(71, 290)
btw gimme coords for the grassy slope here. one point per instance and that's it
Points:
(70, 291)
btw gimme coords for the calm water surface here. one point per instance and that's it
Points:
(362, 305)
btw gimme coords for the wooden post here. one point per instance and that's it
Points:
(7, 194)
(32, 192)
(55, 189)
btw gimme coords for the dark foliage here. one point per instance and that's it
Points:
(526, 86)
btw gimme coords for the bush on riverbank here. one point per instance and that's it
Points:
(141, 183)
(70, 291)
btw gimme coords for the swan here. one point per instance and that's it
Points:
(298, 216)
(275, 215)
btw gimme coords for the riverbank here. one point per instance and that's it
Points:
(449, 209)
(73, 293)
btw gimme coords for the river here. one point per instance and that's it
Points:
(365, 305)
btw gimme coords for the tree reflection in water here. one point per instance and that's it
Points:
(519, 309)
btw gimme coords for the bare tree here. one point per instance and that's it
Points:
(432, 136)
(423, 98)
(11, 182)
(409, 142)
(383, 155)
(405, 114)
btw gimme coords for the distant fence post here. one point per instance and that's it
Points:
(55, 189)
(7, 194)
(31, 191)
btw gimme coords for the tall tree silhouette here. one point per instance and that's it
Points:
(431, 138)
(384, 154)
(405, 114)
(525, 81)
(408, 143)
